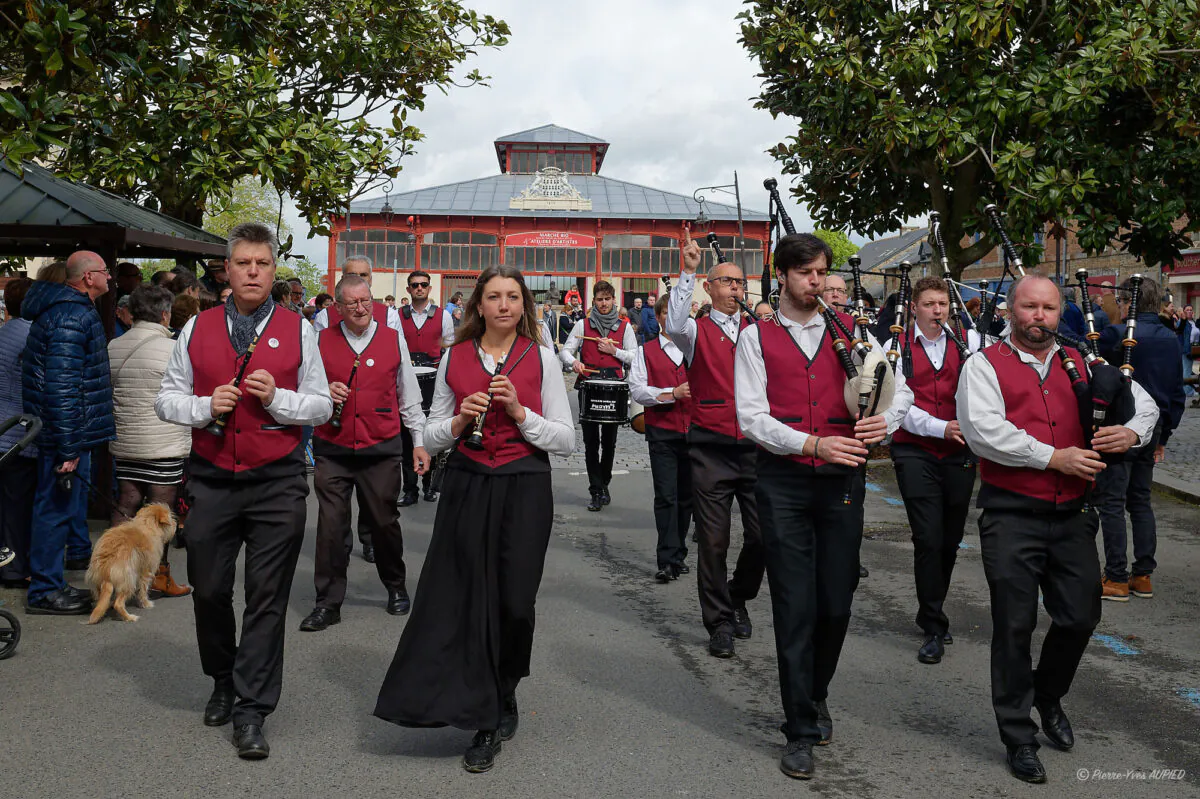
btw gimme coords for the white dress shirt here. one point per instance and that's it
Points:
(642, 393)
(309, 405)
(981, 413)
(420, 317)
(750, 386)
(321, 320)
(624, 354)
(681, 327)
(408, 391)
(917, 421)
(553, 430)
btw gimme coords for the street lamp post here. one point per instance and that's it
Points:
(702, 219)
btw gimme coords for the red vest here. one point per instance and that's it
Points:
(426, 339)
(379, 312)
(590, 352)
(253, 439)
(661, 372)
(371, 415)
(806, 395)
(502, 440)
(1046, 410)
(933, 392)
(710, 376)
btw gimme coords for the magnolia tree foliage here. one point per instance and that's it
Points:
(1082, 112)
(171, 103)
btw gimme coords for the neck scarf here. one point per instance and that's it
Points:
(605, 323)
(241, 328)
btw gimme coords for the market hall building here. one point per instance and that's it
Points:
(549, 212)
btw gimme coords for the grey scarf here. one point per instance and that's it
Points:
(605, 323)
(241, 328)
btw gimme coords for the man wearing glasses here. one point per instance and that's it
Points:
(66, 383)
(427, 330)
(723, 459)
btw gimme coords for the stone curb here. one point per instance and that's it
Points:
(1180, 489)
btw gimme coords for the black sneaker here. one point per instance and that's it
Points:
(481, 754)
(369, 553)
(605, 497)
(721, 644)
(742, 628)
(797, 760)
(509, 718)
(596, 502)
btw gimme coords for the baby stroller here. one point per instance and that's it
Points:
(10, 627)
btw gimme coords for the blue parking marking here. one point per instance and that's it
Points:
(1118, 645)
(1190, 695)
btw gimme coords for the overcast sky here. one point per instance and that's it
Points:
(664, 81)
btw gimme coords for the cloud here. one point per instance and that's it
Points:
(664, 81)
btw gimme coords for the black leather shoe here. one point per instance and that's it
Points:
(721, 644)
(742, 628)
(862, 572)
(605, 497)
(398, 602)
(596, 503)
(251, 743)
(77, 564)
(947, 639)
(665, 575)
(82, 593)
(219, 709)
(509, 718)
(369, 553)
(59, 603)
(932, 650)
(797, 760)
(320, 619)
(824, 723)
(481, 754)
(1023, 762)
(1056, 726)
(430, 495)
(409, 498)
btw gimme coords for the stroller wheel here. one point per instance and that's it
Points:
(10, 634)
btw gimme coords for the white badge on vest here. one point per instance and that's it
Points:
(273, 343)
(370, 361)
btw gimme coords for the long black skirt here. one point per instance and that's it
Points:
(469, 639)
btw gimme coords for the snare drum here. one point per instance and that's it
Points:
(604, 401)
(426, 379)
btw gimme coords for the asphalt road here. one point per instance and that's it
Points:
(624, 700)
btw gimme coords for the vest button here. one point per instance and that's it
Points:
(812, 377)
(1046, 392)
(237, 430)
(814, 404)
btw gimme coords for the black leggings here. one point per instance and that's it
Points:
(132, 495)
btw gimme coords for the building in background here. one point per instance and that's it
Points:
(549, 212)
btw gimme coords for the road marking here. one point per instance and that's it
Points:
(872, 487)
(1118, 645)
(963, 545)
(1191, 695)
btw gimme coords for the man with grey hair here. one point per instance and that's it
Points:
(65, 383)
(360, 266)
(373, 385)
(1072, 318)
(246, 377)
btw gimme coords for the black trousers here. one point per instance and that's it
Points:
(18, 483)
(1127, 485)
(377, 482)
(1022, 552)
(811, 538)
(671, 471)
(720, 474)
(599, 448)
(937, 497)
(268, 518)
(410, 473)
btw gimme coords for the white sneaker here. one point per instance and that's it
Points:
(7, 556)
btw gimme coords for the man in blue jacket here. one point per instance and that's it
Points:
(65, 381)
(647, 325)
(1126, 485)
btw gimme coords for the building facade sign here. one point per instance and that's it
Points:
(549, 238)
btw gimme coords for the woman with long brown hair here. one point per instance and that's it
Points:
(500, 402)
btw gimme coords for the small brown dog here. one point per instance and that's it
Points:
(125, 558)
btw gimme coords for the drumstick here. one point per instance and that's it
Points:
(593, 338)
(591, 371)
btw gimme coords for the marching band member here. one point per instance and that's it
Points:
(605, 344)
(1018, 413)
(723, 459)
(500, 397)
(659, 381)
(426, 342)
(247, 486)
(359, 266)
(360, 449)
(934, 468)
(790, 401)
